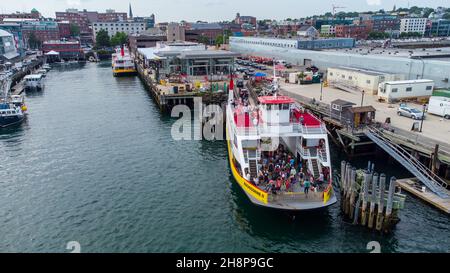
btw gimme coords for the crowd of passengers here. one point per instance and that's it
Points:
(279, 172)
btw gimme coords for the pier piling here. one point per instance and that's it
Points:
(365, 200)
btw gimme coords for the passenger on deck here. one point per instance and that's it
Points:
(306, 185)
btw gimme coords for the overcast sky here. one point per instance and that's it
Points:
(213, 10)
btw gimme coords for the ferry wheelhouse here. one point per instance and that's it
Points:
(123, 63)
(267, 141)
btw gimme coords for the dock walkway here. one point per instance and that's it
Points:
(412, 186)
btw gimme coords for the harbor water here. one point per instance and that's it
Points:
(95, 163)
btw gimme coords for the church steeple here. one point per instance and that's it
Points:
(130, 13)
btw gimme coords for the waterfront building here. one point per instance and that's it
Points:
(317, 23)
(43, 29)
(8, 49)
(128, 27)
(149, 38)
(328, 30)
(408, 25)
(75, 17)
(359, 32)
(240, 20)
(175, 32)
(191, 59)
(316, 44)
(331, 43)
(16, 30)
(34, 14)
(208, 30)
(64, 29)
(307, 32)
(438, 28)
(66, 49)
(385, 22)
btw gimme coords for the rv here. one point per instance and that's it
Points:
(439, 106)
(391, 91)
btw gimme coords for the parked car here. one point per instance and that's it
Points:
(240, 84)
(410, 112)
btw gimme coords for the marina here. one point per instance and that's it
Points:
(121, 132)
(89, 192)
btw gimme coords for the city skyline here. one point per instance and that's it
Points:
(213, 10)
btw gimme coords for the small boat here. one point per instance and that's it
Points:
(18, 101)
(10, 115)
(34, 81)
(47, 67)
(43, 72)
(73, 61)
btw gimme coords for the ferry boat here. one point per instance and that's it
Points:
(34, 81)
(266, 141)
(123, 64)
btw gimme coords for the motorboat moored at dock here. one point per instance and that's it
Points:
(34, 82)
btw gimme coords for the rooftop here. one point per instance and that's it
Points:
(409, 81)
(275, 100)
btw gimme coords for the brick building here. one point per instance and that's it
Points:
(353, 31)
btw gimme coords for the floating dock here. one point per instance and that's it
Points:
(412, 186)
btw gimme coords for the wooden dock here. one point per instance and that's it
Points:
(415, 188)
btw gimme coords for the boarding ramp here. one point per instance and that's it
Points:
(426, 176)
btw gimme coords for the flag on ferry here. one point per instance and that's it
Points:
(279, 66)
(231, 86)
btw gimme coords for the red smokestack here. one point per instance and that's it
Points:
(231, 86)
(122, 51)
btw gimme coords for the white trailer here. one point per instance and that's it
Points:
(403, 90)
(439, 106)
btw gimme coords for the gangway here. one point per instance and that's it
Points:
(426, 176)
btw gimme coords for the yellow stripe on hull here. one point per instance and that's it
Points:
(118, 71)
(247, 186)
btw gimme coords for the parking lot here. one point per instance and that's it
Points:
(434, 127)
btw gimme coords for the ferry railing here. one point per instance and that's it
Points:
(296, 196)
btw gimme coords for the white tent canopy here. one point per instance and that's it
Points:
(52, 53)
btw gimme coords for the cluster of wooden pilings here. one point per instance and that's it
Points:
(365, 200)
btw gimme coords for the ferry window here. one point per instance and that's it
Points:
(408, 89)
(285, 106)
(350, 77)
(429, 87)
(394, 90)
(269, 107)
(368, 81)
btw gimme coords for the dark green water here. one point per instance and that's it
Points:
(95, 163)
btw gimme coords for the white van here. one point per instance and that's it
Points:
(439, 106)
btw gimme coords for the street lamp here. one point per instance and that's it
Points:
(423, 117)
(321, 89)
(362, 98)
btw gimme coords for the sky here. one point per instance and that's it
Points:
(213, 10)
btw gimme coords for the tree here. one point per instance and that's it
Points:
(203, 39)
(33, 41)
(119, 38)
(446, 16)
(74, 30)
(102, 39)
(219, 40)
